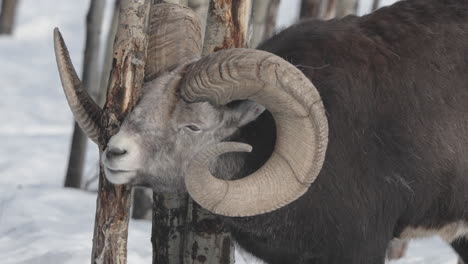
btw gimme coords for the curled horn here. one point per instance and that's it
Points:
(302, 131)
(86, 112)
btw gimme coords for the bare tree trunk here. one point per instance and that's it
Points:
(206, 239)
(346, 7)
(311, 8)
(7, 16)
(227, 25)
(375, 5)
(169, 220)
(321, 9)
(263, 20)
(90, 83)
(126, 79)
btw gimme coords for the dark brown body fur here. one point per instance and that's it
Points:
(395, 89)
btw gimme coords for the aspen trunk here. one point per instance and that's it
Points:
(90, 80)
(125, 81)
(169, 210)
(206, 239)
(346, 7)
(7, 16)
(263, 19)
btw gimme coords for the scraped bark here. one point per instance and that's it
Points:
(7, 16)
(227, 25)
(263, 20)
(90, 81)
(125, 81)
(108, 55)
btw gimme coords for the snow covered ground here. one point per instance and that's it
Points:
(41, 222)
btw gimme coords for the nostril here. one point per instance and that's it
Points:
(115, 152)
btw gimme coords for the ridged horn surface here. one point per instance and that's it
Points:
(174, 37)
(86, 112)
(302, 131)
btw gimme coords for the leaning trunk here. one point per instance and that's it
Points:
(90, 83)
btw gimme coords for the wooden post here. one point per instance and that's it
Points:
(206, 239)
(126, 79)
(90, 80)
(263, 19)
(7, 16)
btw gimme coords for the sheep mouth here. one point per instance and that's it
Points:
(117, 176)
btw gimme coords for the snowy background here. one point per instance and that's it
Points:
(41, 222)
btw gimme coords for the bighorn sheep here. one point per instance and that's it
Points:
(376, 150)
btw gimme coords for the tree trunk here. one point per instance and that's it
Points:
(263, 18)
(125, 82)
(311, 8)
(375, 5)
(108, 55)
(90, 80)
(7, 16)
(227, 25)
(346, 7)
(321, 9)
(206, 239)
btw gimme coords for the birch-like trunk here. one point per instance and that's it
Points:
(90, 80)
(125, 82)
(263, 20)
(7, 16)
(206, 239)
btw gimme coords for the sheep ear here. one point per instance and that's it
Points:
(244, 112)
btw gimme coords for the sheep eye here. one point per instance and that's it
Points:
(193, 128)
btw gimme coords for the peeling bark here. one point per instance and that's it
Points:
(7, 16)
(90, 79)
(227, 25)
(126, 79)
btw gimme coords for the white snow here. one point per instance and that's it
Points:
(41, 222)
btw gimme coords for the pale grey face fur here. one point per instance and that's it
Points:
(160, 136)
